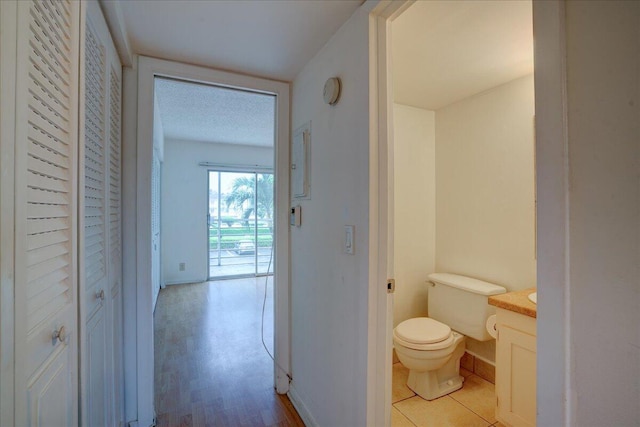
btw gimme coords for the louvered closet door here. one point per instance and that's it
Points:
(116, 361)
(46, 214)
(100, 252)
(93, 250)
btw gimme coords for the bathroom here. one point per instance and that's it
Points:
(464, 167)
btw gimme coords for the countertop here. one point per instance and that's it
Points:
(516, 301)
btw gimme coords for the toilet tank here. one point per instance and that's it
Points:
(462, 303)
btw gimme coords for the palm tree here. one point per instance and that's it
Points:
(243, 191)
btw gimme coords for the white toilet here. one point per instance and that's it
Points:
(428, 346)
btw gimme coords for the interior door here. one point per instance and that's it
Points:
(100, 251)
(155, 226)
(46, 143)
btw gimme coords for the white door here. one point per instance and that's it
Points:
(93, 244)
(156, 168)
(116, 355)
(45, 164)
(100, 251)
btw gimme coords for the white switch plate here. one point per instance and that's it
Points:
(348, 239)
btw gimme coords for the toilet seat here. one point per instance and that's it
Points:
(423, 333)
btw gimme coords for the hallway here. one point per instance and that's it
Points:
(210, 366)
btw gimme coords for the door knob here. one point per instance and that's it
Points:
(100, 295)
(59, 335)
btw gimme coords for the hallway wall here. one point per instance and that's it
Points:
(184, 202)
(329, 289)
(603, 41)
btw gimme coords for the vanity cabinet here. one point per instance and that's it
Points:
(515, 368)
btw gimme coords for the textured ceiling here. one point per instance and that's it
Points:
(269, 38)
(445, 51)
(198, 112)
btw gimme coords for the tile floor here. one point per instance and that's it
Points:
(471, 406)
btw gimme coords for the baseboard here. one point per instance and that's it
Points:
(304, 413)
(183, 282)
(480, 366)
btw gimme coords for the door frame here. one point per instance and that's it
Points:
(555, 395)
(380, 367)
(140, 277)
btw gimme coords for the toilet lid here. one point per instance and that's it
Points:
(422, 330)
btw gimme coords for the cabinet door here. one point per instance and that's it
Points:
(45, 164)
(516, 377)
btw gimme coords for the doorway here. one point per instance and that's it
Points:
(240, 224)
(468, 138)
(138, 236)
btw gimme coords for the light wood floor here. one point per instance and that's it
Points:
(210, 366)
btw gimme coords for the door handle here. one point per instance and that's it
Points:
(59, 335)
(100, 295)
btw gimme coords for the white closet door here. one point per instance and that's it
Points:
(93, 247)
(100, 251)
(116, 362)
(46, 143)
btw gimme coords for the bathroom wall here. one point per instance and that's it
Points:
(184, 202)
(414, 205)
(485, 209)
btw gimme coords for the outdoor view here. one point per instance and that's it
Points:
(240, 223)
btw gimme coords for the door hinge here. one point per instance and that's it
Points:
(391, 286)
(497, 401)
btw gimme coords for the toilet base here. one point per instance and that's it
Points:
(439, 382)
(426, 385)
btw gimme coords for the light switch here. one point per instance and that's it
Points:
(348, 239)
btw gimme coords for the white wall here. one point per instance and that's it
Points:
(329, 289)
(415, 212)
(603, 45)
(185, 202)
(485, 198)
(485, 208)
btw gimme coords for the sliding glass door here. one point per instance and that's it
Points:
(240, 225)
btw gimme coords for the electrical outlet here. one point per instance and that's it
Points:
(182, 266)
